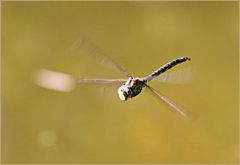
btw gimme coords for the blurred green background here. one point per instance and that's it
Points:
(90, 124)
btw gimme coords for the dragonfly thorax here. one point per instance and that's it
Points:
(131, 88)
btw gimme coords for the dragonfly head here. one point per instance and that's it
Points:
(124, 92)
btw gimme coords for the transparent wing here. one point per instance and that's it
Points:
(65, 82)
(100, 80)
(166, 67)
(85, 45)
(180, 76)
(169, 102)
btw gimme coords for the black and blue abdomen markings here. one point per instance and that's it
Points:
(168, 66)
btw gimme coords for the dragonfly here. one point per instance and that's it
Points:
(132, 86)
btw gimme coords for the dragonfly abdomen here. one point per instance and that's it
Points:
(166, 67)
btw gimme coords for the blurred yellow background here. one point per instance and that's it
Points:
(90, 124)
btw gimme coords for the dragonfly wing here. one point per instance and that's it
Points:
(65, 82)
(100, 81)
(180, 76)
(166, 67)
(169, 102)
(85, 45)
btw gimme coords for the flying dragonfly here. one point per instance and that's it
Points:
(132, 86)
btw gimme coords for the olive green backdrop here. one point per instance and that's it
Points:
(90, 124)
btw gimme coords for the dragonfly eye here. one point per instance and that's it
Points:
(123, 92)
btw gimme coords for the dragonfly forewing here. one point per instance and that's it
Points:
(168, 102)
(99, 81)
(87, 47)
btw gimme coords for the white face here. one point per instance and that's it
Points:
(123, 92)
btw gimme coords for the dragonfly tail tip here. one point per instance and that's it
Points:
(188, 58)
